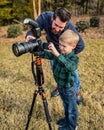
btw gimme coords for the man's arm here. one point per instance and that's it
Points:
(80, 46)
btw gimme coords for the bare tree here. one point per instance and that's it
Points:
(37, 9)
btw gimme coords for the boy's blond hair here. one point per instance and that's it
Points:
(69, 37)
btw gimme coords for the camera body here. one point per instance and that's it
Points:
(31, 46)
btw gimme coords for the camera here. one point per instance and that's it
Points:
(32, 45)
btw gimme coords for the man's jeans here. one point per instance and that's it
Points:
(76, 76)
(77, 81)
(68, 96)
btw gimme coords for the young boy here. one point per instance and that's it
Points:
(65, 63)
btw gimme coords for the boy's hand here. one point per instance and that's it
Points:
(53, 50)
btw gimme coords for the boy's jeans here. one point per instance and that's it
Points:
(68, 97)
(76, 76)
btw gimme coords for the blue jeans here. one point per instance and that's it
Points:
(77, 81)
(76, 76)
(68, 96)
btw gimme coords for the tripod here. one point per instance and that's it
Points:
(39, 81)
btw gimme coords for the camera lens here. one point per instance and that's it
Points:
(18, 49)
(15, 49)
(22, 48)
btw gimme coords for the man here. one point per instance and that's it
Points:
(54, 24)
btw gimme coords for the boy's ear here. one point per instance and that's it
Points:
(74, 46)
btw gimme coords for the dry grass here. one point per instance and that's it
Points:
(91, 70)
(17, 88)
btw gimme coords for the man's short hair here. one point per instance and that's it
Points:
(63, 14)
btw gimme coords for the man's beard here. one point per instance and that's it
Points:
(54, 31)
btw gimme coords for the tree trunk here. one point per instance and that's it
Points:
(39, 7)
(97, 9)
(86, 9)
(34, 8)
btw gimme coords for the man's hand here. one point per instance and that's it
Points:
(29, 38)
(53, 50)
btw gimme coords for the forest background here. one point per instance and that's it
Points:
(16, 80)
(20, 9)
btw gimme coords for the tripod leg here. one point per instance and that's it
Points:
(32, 105)
(48, 117)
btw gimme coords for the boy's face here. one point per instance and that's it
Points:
(57, 25)
(65, 48)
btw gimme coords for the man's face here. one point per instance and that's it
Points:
(57, 25)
